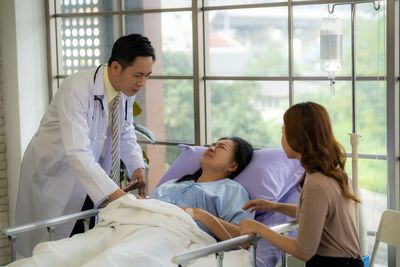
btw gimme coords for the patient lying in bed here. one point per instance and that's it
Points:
(270, 175)
(208, 191)
(150, 232)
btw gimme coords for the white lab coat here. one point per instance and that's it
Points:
(70, 156)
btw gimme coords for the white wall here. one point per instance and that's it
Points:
(24, 81)
(4, 247)
(32, 66)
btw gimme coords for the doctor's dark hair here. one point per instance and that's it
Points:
(243, 152)
(309, 132)
(127, 48)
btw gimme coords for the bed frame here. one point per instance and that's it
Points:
(183, 259)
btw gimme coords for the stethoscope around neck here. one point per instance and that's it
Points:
(102, 138)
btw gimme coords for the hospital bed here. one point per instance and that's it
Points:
(182, 259)
(270, 175)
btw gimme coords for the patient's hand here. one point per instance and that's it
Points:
(260, 204)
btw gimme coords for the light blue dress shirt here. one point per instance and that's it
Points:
(223, 199)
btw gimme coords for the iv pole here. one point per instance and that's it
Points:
(354, 137)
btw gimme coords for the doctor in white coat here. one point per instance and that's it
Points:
(69, 157)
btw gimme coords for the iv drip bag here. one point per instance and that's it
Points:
(331, 46)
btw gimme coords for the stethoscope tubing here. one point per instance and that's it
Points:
(101, 102)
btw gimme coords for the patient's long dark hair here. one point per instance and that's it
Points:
(243, 151)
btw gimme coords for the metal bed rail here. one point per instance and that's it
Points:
(185, 258)
(50, 224)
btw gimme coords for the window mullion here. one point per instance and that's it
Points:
(198, 74)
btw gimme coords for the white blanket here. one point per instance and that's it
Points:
(132, 232)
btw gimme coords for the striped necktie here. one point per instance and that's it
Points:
(115, 155)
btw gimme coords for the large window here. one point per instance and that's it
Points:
(236, 71)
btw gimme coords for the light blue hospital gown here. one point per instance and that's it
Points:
(223, 199)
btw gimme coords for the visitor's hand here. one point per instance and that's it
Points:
(260, 204)
(248, 226)
(139, 175)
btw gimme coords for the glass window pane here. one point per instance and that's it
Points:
(161, 157)
(142, 4)
(86, 42)
(371, 40)
(371, 117)
(306, 39)
(239, 2)
(371, 110)
(247, 42)
(338, 107)
(87, 6)
(168, 109)
(174, 49)
(248, 109)
(372, 176)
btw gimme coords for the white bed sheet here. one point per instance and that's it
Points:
(132, 232)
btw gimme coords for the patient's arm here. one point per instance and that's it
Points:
(211, 222)
(262, 204)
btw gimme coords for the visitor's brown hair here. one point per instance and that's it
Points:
(309, 132)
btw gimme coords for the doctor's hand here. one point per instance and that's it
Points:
(111, 197)
(260, 204)
(116, 194)
(139, 175)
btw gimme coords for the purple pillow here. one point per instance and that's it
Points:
(270, 174)
(186, 163)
